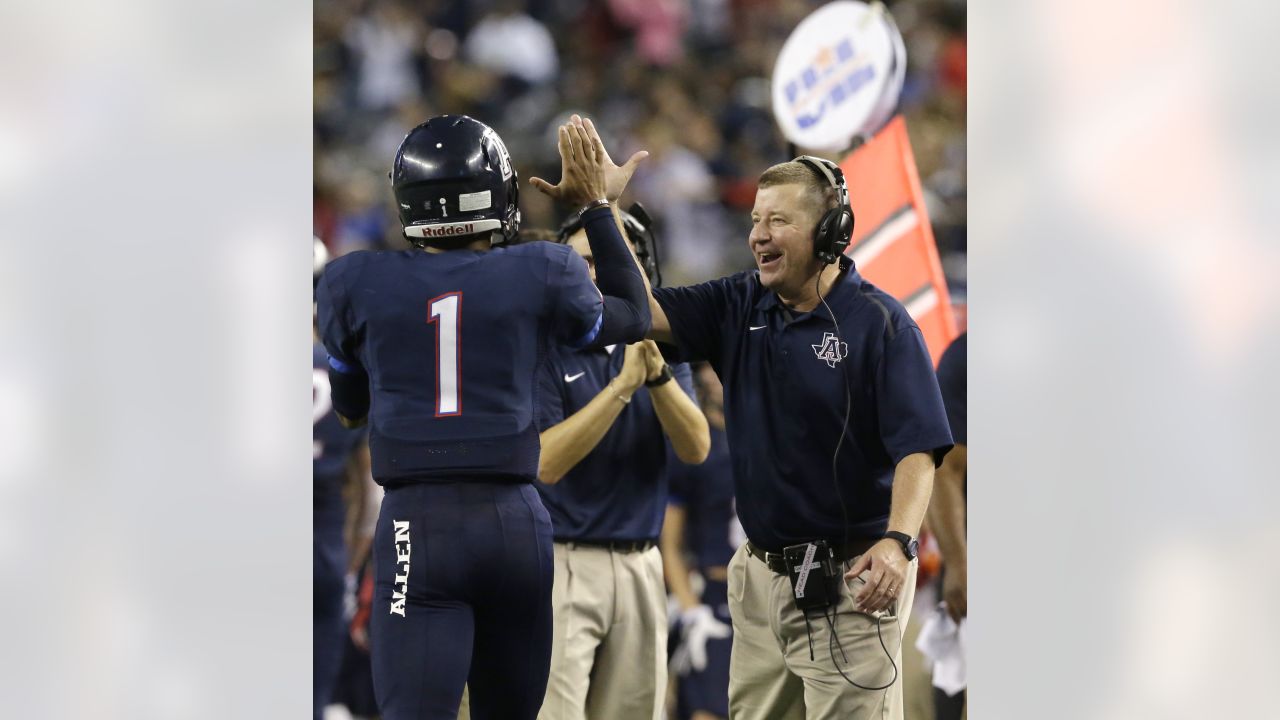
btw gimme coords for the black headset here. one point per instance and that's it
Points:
(834, 231)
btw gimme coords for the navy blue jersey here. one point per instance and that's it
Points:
(712, 530)
(619, 490)
(332, 444)
(953, 371)
(785, 377)
(451, 342)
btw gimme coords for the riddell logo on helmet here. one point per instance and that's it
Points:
(447, 230)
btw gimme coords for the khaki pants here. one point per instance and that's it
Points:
(609, 642)
(770, 674)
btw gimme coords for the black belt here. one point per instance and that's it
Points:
(778, 564)
(614, 545)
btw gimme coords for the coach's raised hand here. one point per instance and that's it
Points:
(616, 177)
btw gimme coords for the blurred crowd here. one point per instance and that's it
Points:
(687, 80)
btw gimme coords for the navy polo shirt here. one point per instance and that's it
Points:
(785, 377)
(619, 490)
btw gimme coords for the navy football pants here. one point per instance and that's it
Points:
(708, 689)
(328, 560)
(462, 595)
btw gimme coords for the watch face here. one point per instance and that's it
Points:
(913, 548)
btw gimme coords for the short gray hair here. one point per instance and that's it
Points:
(797, 173)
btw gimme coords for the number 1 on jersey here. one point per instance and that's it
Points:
(445, 309)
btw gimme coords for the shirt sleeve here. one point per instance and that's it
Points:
(697, 314)
(550, 405)
(953, 381)
(333, 319)
(578, 309)
(908, 403)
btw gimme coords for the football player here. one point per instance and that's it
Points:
(437, 348)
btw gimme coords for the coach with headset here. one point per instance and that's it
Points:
(835, 426)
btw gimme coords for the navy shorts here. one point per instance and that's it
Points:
(462, 595)
(708, 690)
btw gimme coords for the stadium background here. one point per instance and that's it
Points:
(687, 80)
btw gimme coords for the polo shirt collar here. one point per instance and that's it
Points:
(850, 279)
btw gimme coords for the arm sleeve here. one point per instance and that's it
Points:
(908, 403)
(333, 317)
(347, 377)
(698, 315)
(626, 316)
(578, 309)
(350, 390)
(952, 380)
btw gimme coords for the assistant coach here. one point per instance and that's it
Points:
(835, 426)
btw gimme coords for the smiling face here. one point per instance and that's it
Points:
(781, 239)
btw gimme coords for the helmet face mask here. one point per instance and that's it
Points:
(453, 179)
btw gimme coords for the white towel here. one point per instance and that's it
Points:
(942, 642)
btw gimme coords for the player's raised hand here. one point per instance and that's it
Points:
(582, 168)
(616, 176)
(566, 159)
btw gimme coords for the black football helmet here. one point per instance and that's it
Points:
(639, 227)
(453, 177)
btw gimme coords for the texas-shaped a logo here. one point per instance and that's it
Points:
(831, 349)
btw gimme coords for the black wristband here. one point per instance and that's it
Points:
(663, 378)
(910, 546)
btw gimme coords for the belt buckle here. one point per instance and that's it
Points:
(776, 562)
(769, 559)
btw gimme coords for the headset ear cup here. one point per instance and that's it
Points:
(825, 236)
(842, 232)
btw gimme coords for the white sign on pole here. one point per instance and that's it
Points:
(838, 75)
